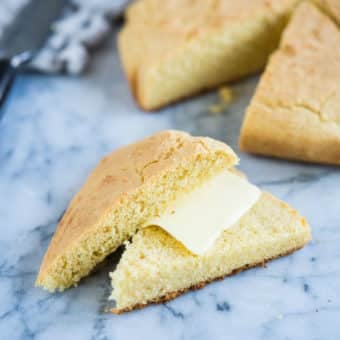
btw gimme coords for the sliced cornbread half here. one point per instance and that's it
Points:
(128, 187)
(331, 7)
(184, 47)
(155, 267)
(295, 112)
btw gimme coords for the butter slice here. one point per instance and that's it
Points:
(198, 218)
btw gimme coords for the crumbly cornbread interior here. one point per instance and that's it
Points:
(155, 265)
(128, 187)
(184, 47)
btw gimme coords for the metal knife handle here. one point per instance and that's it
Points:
(7, 75)
(8, 71)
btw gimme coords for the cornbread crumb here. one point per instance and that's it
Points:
(216, 109)
(225, 95)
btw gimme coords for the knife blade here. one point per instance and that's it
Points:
(23, 37)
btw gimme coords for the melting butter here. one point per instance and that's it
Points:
(198, 218)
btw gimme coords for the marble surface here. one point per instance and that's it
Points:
(54, 130)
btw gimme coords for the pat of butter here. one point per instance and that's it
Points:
(197, 218)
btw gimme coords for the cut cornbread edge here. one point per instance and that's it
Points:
(266, 27)
(142, 85)
(74, 249)
(173, 295)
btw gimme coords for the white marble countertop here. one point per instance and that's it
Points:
(56, 129)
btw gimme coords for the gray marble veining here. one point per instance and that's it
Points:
(54, 131)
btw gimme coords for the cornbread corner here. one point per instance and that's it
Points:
(330, 7)
(183, 47)
(295, 112)
(128, 187)
(155, 267)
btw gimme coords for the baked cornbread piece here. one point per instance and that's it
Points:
(184, 47)
(128, 187)
(331, 7)
(156, 268)
(295, 112)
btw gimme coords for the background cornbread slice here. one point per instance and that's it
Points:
(127, 188)
(182, 47)
(155, 267)
(295, 112)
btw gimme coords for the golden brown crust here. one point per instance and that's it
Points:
(295, 112)
(173, 295)
(120, 174)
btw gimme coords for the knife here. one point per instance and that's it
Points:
(23, 37)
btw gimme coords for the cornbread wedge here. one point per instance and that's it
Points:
(155, 267)
(128, 187)
(182, 47)
(295, 112)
